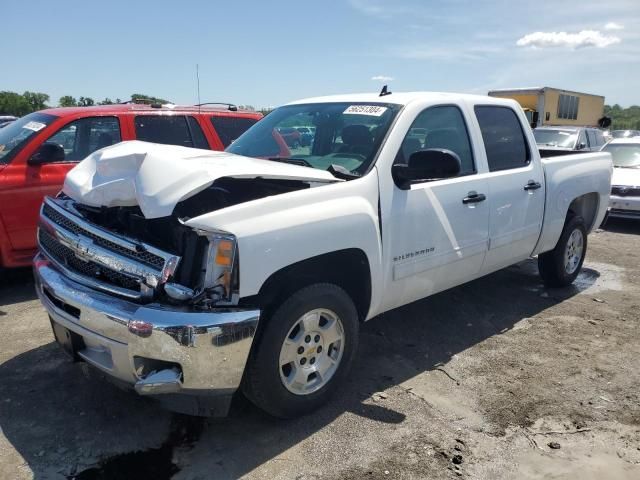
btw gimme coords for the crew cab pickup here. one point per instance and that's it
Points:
(189, 274)
(37, 151)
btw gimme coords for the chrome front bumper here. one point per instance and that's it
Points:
(157, 349)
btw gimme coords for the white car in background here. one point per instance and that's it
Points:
(625, 182)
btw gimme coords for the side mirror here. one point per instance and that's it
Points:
(47, 153)
(429, 164)
(582, 146)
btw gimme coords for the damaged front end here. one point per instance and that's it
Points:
(120, 224)
(119, 251)
(136, 292)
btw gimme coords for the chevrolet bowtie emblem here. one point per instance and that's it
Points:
(82, 246)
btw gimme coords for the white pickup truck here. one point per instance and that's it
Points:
(190, 274)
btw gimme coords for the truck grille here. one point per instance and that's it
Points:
(66, 257)
(59, 219)
(98, 258)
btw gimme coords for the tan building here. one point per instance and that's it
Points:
(553, 106)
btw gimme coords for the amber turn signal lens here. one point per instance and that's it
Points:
(224, 253)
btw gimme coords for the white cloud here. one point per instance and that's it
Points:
(584, 38)
(613, 26)
(382, 78)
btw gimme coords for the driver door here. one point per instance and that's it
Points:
(78, 139)
(438, 230)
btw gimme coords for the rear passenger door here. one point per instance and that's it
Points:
(230, 128)
(182, 130)
(516, 187)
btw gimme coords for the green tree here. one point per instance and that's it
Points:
(36, 100)
(85, 102)
(67, 101)
(12, 103)
(106, 101)
(142, 98)
(623, 118)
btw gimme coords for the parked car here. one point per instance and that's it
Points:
(554, 141)
(306, 136)
(625, 183)
(38, 150)
(6, 120)
(188, 280)
(291, 136)
(625, 133)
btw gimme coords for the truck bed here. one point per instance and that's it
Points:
(569, 177)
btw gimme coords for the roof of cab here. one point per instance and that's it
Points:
(404, 98)
(138, 107)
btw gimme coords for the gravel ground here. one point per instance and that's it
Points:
(497, 379)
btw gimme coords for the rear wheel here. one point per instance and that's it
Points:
(561, 266)
(304, 352)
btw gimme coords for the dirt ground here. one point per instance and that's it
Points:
(497, 379)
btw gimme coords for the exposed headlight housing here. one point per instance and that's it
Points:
(221, 275)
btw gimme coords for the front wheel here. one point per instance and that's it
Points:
(561, 266)
(306, 349)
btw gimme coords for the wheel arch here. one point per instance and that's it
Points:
(585, 206)
(348, 268)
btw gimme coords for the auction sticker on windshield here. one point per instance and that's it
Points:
(372, 110)
(35, 126)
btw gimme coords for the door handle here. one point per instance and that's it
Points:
(532, 185)
(473, 197)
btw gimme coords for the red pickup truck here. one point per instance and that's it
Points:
(37, 151)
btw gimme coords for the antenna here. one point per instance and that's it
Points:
(198, 80)
(384, 92)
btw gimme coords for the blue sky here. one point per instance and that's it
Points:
(266, 53)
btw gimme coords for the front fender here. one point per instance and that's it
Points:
(281, 230)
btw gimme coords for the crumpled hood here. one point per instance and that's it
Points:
(626, 176)
(156, 177)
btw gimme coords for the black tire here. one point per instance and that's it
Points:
(551, 265)
(262, 382)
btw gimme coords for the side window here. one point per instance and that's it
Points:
(600, 137)
(167, 129)
(439, 127)
(82, 137)
(503, 137)
(593, 140)
(230, 128)
(199, 140)
(582, 139)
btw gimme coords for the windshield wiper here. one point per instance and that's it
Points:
(341, 172)
(295, 161)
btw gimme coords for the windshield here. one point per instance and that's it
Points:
(319, 135)
(555, 138)
(14, 136)
(625, 156)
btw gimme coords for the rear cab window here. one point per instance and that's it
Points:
(504, 139)
(179, 130)
(230, 128)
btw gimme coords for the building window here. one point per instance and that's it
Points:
(568, 107)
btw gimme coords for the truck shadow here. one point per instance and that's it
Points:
(622, 225)
(16, 285)
(63, 424)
